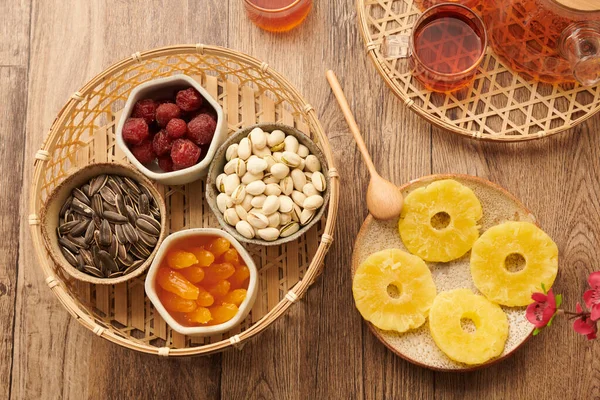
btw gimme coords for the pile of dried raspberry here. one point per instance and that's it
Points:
(177, 131)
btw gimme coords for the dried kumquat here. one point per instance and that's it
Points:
(205, 257)
(174, 282)
(231, 256)
(205, 299)
(218, 272)
(239, 276)
(236, 297)
(222, 313)
(219, 289)
(172, 302)
(178, 259)
(201, 315)
(193, 274)
(219, 246)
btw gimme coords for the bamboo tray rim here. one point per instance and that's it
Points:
(294, 294)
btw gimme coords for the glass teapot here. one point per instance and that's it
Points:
(553, 41)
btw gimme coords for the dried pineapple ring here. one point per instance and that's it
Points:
(393, 290)
(497, 246)
(453, 209)
(491, 326)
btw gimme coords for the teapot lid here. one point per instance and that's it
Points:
(580, 5)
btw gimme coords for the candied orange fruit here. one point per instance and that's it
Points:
(172, 302)
(205, 257)
(201, 315)
(231, 256)
(174, 282)
(222, 313)
(219, 246)
(236, 297)
(239, 276)
(178, 259)
(193, 274)
(202, 281)
(218, 272)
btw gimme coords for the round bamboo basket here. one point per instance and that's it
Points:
(500, 105)
(84, 132)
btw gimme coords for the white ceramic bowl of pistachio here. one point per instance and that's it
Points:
(268, 184)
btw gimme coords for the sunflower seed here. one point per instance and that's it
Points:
(80, 262)
(111, 183)
(145, 226)
(144, 204)
(133, 267)
(131, 185)
(116, 274)
(127, 261)
(107, 262)
(108, 195)
(68, 245)
(80, 228)
(66, 227)
(113, 249)
(65, 207)
(87, 257)
(79, 195)
(155, 212)
(148, 240)
(97, 183)
(121, 238)
(105, 236)
(115, 217)
(79, 242)
(121, 251)
(150, 220)
(93, 271)
(130, 233)
(71, 259)
(131, 214)
(81, 208)
(97, 204)
(139, 250)
(120, 204)
(86, 190)
(89, 233)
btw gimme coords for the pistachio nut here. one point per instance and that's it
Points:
(287, 185)
(285, 218)
(309, 190)
(238, 194)
(232, 152)
(318, 179)
(245, 229)
(231, 217)
(230, 183)
(258, 201)
(296, 212)
(269, 178)
(298, 197)
(277, 155)
(257, 220)
(306, 216)
(277, 147)
(256, 188)
(256, 166)
(270, 161)
(247, 203)
(291, 144)
(269, 234)
(289, 229)
(258, 138)
(313, 202)
(303, 151)
(273, 189)
(249, 178)
(224, 202)
(276, 137)
(241, 212)
(244, 149)
(262, 153)
(235, 166)
(274, 220)
(291, 159)
(220, 182)
(271, 205)
(286, 204)
(280, 170)
(312, 163)
(298, 178)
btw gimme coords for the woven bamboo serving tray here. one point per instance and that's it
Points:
(499, 105)
(84, 132)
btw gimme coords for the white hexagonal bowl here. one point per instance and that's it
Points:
(245, 307)
(158, 88)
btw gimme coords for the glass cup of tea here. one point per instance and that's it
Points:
(277, 15)
(425, 4)
(444, 49)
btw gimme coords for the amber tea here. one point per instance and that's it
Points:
(278, 15)
(447, 45)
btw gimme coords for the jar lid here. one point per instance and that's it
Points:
(580, 5)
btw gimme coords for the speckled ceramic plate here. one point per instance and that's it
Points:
(417, 346)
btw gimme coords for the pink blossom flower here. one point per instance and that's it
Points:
(584, 325)
(541, 311)
(592, 296)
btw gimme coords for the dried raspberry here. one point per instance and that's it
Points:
(144, 152)
(189, 99)
(201, 129)
(146, 109)
(162, 143)
(166, 112)
(176, 128)
(184, 154)
(135, 131)
(165, 163)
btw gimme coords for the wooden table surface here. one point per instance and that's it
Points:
(321, 349)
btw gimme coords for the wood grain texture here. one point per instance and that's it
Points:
(321, 349)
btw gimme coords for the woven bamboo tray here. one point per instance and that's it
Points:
(83, 132)
(500, 105)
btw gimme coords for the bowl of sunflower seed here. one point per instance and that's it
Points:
(104, 223)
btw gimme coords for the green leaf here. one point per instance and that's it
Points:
(536, 331)
(544, 288)
(558, 299)
(551, 319)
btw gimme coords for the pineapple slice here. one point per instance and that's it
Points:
(451, 309)
(506, 244)
(439, 222)
(393, 290)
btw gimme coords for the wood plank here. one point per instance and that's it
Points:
(12, 145)
(14, 32)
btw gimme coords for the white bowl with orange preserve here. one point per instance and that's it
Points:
(202, 282)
